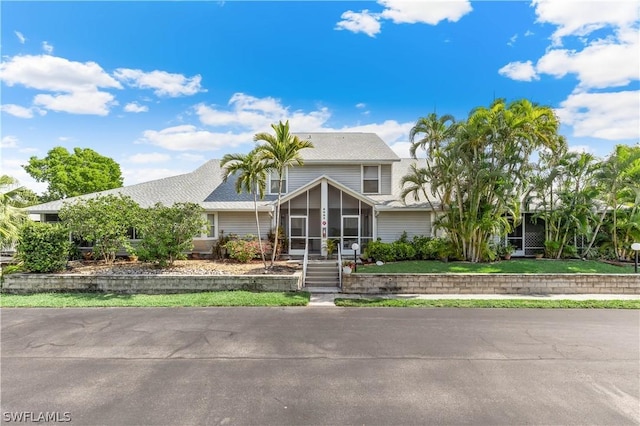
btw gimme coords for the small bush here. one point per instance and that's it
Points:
(43, 247)
(403, 251)
(383, 252)
(246, 249)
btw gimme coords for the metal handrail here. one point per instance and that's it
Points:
(340, 264)
(304, 263)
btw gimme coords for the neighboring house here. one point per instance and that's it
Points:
(348, 189)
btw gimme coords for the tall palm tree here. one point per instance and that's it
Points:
(11, 216)
(251, 174)
(280, 151)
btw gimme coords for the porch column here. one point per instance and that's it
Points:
(324, 215)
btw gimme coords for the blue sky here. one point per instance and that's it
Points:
(163, 87)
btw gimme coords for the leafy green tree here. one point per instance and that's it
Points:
(251, 174)
(168, 232)
(478, 170)
(104, 221)
(12, 198)
(71, 174)
(43, 247)
(567, 200)
(280, 151)
(619, 178)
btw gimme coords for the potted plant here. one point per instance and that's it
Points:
(348, 266)
(539, 254)
(508, 251)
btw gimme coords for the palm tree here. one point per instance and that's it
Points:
(11, 216)
(280, 151)
(251, 174)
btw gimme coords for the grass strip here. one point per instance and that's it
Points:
(514, 266)
(215, 298)
(489, 303)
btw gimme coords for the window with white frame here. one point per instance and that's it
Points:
(370, 179)
(274, 182)
(211, 226)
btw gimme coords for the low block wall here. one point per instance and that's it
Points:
(150, 284)
(491, 283)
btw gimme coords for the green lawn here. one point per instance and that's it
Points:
(513, 266)
(506, 303)
(218, 298)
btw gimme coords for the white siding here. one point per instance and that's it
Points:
(391, 225)
(350, 175)
(243, 223)
(385, 179)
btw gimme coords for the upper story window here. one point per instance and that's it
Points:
(273, 182)
(370, 179)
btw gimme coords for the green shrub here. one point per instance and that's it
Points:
(403, 251)
(168, 232)
(43, 247)
(241, 250)
(422, 246)
(384, 252)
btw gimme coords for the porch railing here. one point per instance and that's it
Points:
(339, 265)
(305, 260)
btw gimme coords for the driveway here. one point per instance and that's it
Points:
(322, 366)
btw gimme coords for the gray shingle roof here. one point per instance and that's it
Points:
(205, 185)
(339, 147)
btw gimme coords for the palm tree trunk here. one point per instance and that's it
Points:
(255, 205)
(275, 238)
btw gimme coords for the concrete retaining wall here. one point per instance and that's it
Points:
(491, 283)
(151, 284)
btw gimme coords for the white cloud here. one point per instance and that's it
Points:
(135, 107)
(63, 138)
(75, 84)
(247, 115)
(427, 12)
(512, 40)
(189, 138)
(611, 62)
(389, 131)
(20, 111)
(403, 12)
(613, 115)
(48, 48)
(12, 166)
(402, 149)
(191, 157)
(80, 102)
(581, 149)
(359, 22)
(9, 141)
(529, 33)
(21, 38)
(585, 17)
(257, 114)
(163, 83)
(521, 71)
(45, 72)
(28, 150)
(152, 157)
(361, 105)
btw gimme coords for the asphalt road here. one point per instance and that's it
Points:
(322, 366)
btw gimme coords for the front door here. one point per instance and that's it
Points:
(297, 234)
(350, 232)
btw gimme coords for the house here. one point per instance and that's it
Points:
(348, 189)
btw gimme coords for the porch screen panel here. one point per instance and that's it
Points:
(335, 216)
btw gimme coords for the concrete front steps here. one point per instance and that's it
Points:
(322, 276)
